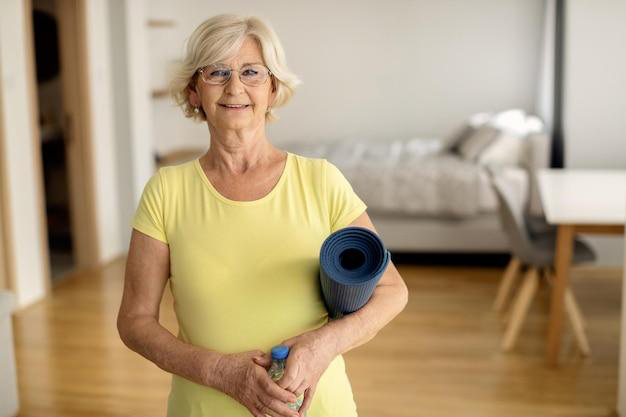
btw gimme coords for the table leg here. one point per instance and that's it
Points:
(562, 261)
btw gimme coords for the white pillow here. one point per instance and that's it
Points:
(516, 122)
(513, 121)
(534, 125)
(477, 141)
(507, 149)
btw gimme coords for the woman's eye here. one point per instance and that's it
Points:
(220, 73)
(249, 72)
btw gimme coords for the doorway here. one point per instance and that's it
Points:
(53, 138)
(63, 123)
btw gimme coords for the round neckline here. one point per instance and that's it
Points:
(227, 200)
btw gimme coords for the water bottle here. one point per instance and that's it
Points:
(277, 369)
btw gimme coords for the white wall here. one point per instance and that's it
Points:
(139, 91)
(545, 86)
(595, 95)
(372, 69)
(23, 208)
(132, 111)
(121, 113)
(102, 130)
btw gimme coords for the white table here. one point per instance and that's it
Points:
(577, 201)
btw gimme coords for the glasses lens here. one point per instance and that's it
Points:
(216, 74)
(253, 74)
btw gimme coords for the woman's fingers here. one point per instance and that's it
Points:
(246, 380)
(295, 378)
(293, 387)
(300, 390)
(271, 399)
(290, 380)
(274, 408)
(308, 397)
(274, 391)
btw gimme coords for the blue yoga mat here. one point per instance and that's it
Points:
(352, 261)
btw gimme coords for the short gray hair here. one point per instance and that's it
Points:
(219, 38)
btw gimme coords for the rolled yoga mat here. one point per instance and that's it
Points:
(352, 261)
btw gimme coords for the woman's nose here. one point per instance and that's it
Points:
(234, 85)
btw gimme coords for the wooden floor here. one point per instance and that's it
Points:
(440, 357)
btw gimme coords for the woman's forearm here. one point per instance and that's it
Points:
(359, 327)
(144, 335)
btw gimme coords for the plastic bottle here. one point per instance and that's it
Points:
(277, 369)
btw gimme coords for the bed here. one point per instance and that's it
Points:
(434, 194)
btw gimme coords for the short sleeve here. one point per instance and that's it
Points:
(149, 217)
(344, 205)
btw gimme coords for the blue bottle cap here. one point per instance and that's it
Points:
(280, 352)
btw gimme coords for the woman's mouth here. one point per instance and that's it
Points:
(234, 106)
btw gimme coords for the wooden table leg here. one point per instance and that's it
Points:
(562, 261)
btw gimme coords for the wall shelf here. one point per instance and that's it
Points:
(161, 23)
(160, 93)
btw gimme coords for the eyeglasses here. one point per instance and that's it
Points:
(252, 75)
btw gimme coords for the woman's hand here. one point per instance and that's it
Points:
(309, 355)
(244, 377)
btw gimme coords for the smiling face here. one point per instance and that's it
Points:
(235, 105)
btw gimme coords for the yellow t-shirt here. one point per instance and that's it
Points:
(244, 274)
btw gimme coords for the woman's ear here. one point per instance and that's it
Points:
(273, 93)
(194, 97)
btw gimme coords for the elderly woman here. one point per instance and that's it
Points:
(237, 233)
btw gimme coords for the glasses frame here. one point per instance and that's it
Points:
(269, 75)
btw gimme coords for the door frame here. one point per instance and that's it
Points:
(7, 267)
